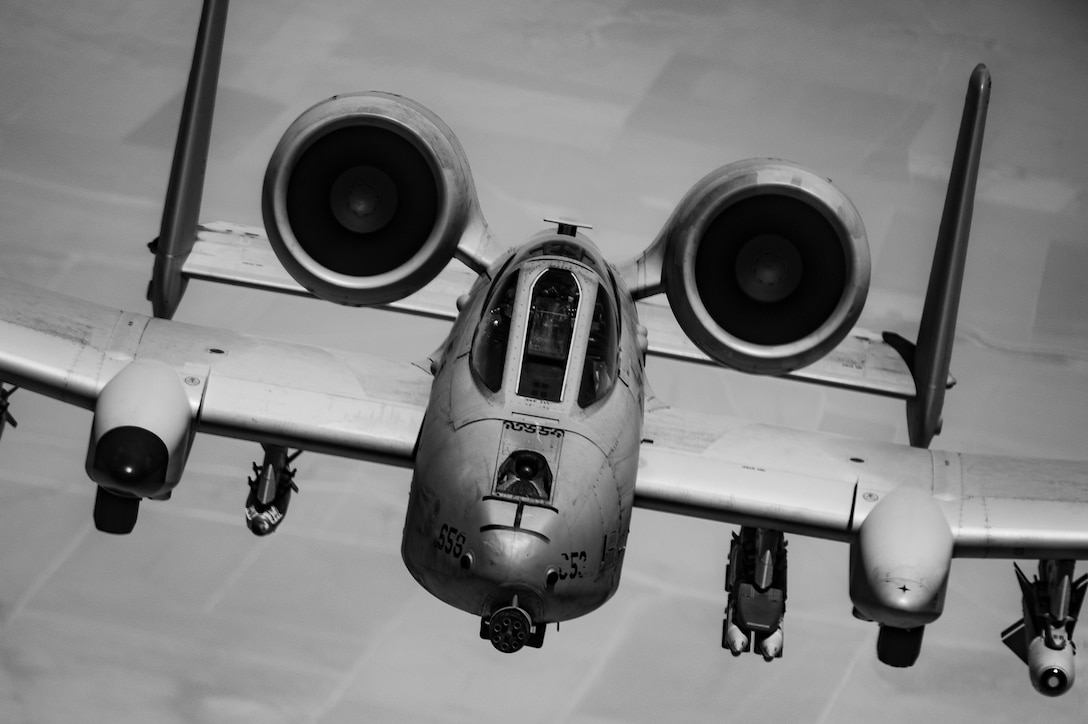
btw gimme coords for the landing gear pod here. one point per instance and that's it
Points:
(766, 265)
(366, 198)
(899, 569)
(140, 439)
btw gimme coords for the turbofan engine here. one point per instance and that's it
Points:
(765, 264)
(366, 198)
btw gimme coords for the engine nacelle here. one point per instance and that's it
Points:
(1052, 671)
(366, 198)
(142, 431)
(766, 265)
(900, 562)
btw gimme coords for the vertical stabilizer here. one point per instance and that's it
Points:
(182, 207)
(933, 352)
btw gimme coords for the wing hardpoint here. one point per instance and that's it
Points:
(245, 387)
(822, 485)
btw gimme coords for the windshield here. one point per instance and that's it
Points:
(602, 352)
(552, 312)
(493, 334)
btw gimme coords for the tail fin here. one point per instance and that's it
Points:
(933, 352)
(182, 207)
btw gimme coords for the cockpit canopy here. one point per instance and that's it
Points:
(492, 336)
(549, 313)
(553, 310)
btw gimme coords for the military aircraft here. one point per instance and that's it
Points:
(531, 431)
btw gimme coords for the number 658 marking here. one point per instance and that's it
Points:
(450, 540)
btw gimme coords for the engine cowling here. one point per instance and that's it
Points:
(766, 265)
(142, 431)
(900, 562)
(366, 198)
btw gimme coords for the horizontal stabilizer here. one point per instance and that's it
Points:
(238, 255)
(862, 362)
(241, 256)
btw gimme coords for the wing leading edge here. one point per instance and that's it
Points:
(706, 466)
(268, 391)
(739, 472)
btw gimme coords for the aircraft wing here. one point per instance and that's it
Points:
(824, 486)
(708, 466)
(272, 392)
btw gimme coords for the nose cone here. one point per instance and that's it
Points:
(540, 518)
(514, 564)
(513, 556)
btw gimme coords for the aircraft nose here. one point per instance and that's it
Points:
(510, 556)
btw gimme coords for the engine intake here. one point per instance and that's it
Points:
(366, 198)
(766, 265)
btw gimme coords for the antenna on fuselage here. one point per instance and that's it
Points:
(568, 227)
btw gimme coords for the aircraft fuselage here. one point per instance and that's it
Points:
(526, 461)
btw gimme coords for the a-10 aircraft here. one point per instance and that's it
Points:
(532, 434)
